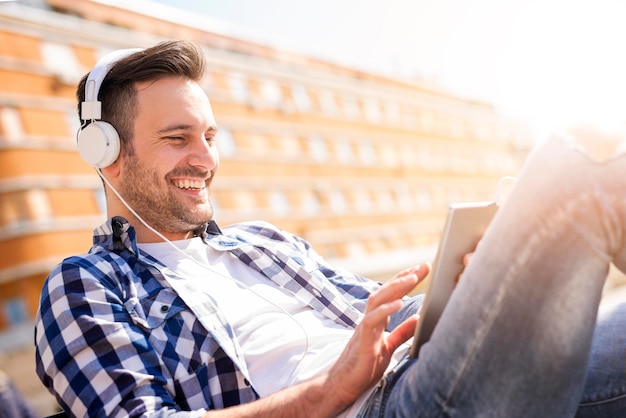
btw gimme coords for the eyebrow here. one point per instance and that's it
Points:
(182, 127)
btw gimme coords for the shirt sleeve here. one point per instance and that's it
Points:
(90, 354)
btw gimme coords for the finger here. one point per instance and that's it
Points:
(405, 281)
(421, 270)
(466, 258)
(397, 287)
(402, 333)
(391, 291)
(376, 319)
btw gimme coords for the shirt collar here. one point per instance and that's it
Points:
(118, 234)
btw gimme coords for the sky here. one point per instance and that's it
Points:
(553, 63)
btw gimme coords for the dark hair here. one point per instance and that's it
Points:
(118, 94)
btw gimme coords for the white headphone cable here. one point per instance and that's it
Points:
(206, 267)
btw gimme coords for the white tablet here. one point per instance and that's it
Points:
(464, 226)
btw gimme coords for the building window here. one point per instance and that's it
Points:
(403, 197)
(208, 83)
(272, 96)
(279, 203)
(337, 200)
(343, 150)
(238, 85)
(12, 128)
(328, 103)
(423, 199)
(392, 112)
(362, 201)
(301, 97)
(317, 147)
(367, 154)
(310, 203)
(15, 311)
(101, 200)
(408, 156)
(351, 107)
(61, 61)
(225, 142)
(384, 201)
(372, 110)
(38, 204)
(424, 157)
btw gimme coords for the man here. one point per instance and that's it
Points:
(169, 315)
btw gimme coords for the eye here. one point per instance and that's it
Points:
(176, 138)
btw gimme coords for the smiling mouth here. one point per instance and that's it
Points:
(190, 184)
(191, 181)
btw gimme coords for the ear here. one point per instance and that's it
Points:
(114, 170)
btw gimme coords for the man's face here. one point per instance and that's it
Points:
(167, 179)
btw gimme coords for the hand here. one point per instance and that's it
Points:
(466, 259)
(360, 365)
(367, 355)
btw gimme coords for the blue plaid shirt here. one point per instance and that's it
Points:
(120, 334)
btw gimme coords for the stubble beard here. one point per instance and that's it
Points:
(154, 200)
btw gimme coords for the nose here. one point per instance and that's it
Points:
(204, 154)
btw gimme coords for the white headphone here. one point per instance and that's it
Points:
(98, 142)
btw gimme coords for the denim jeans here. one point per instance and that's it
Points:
(519, 336)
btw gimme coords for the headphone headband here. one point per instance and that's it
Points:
(91, 108)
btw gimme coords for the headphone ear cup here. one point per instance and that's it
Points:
(98, 144)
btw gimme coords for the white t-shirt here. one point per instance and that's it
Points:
(284, 341)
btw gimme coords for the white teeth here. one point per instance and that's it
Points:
(189, 184)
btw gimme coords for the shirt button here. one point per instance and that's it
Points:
(165, 308)
(246, 381)
(316, 293)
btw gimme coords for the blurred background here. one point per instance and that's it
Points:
(351, 123)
